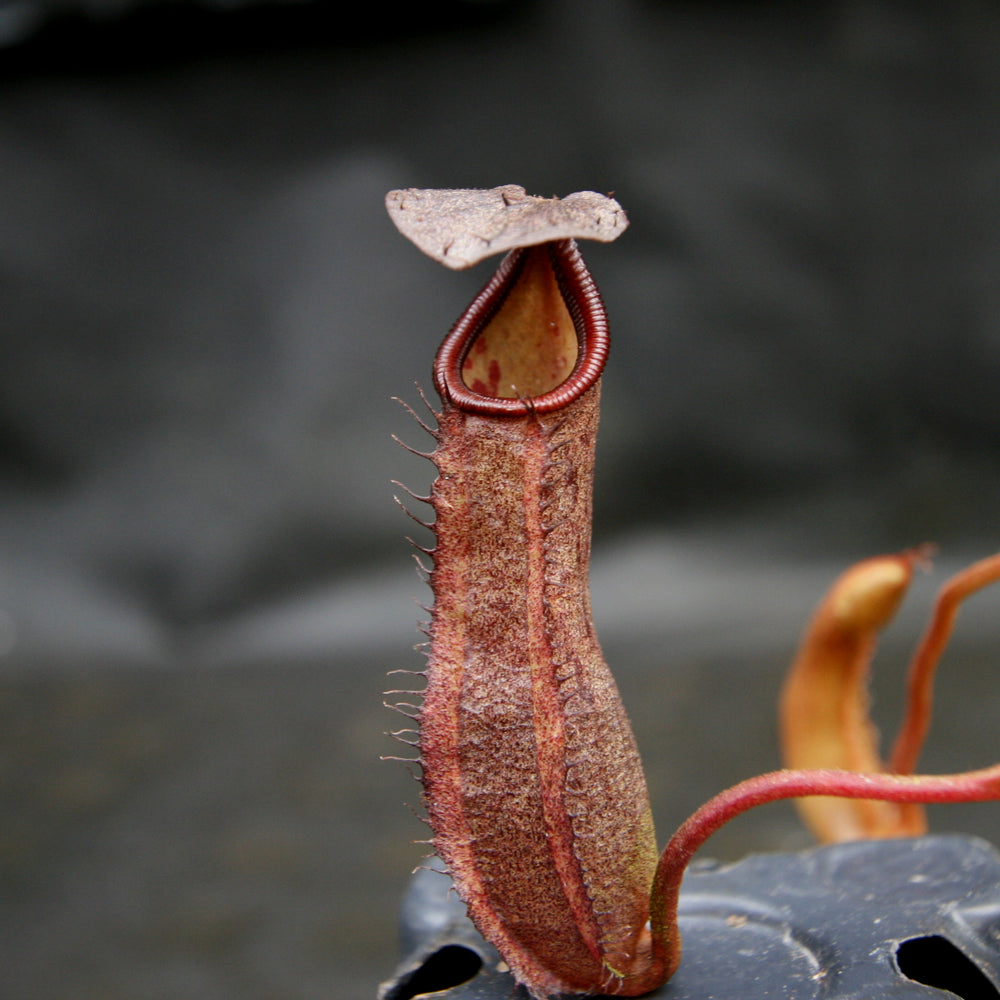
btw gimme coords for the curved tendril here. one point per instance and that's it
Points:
(968, 786)
(920, 685)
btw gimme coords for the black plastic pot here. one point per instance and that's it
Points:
(905, 919)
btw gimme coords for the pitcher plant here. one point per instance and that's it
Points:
(533, 785)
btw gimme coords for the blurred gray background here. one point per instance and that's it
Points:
(205, 313)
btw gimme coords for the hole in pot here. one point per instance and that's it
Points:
(934, 961)
(449, 966)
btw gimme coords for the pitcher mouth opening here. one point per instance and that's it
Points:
(493, 364)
